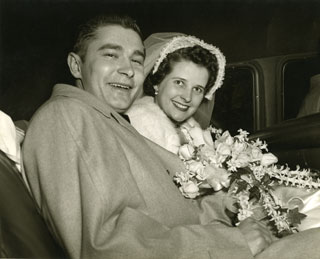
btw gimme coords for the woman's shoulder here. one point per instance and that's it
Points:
(142, 103)
(151, 122)
(145, 107)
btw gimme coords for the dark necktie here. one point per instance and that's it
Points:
(125, 116)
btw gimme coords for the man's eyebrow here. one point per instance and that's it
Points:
(110, 46)
(139, 52)
(119, 47)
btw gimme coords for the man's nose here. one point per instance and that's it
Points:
(126, 68)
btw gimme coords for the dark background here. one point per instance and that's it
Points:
(36, 36)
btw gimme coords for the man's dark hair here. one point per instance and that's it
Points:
(196, 54)
(88, 30)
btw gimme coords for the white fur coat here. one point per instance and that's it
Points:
(151, 122)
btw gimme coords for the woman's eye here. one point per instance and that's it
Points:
(178, 82)
(199, 90)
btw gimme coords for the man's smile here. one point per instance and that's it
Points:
(121, 86)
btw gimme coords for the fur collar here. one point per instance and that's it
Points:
(151, 122)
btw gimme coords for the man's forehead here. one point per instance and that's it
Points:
(117, 35)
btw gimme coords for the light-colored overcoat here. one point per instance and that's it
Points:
(107, 192)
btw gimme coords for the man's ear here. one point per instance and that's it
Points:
(74, 62)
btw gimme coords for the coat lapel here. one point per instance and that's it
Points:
(90, 100)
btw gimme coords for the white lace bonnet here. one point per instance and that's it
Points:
(159, 45)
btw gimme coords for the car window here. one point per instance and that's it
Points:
(233, 108)
(299, 98)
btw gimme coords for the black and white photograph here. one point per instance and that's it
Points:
(158, 129)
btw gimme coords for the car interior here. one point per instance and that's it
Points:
(271, 87)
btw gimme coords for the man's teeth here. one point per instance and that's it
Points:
(121, 86)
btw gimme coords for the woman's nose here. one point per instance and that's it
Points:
(186, 95)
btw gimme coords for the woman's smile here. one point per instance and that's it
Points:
(179, 95)
(180, 106)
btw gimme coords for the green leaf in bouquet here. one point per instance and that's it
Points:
(254, 183)
(254, 193)
(266, 180)
(244, 170)
(295, 217)
(237, 175)
(284, 233)
(242, 186)
(234, 176)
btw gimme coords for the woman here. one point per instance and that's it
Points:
(182, 71)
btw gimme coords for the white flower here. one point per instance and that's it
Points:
(261, 144)
(224, 149)
(209, 165)
(197, 136)
(186, 152)
(243, 135)
(268, 159)
(245, 209)
(244, 213)
(217, 177)
(189, 189)
(195, 166)
(200, 137)
(238, 147)
(242, 160)
(258, 171)
(225, 138)
(208, 153)
(181, 177)
(256, 153)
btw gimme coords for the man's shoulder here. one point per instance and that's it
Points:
(58, 108)
(57, 105)
(73, 107)
(67, 95)
(66, 99)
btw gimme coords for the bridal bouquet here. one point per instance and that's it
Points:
(246, 170)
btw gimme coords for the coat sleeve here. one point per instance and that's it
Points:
(92, 212)
(304, 244)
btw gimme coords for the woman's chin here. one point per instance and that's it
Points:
(178, 119)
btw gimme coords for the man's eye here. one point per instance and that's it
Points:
(111, 55)
(138, 61)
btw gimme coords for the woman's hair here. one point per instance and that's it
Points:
(196, 54)
(88, 30)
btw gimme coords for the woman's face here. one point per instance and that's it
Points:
(182, 90)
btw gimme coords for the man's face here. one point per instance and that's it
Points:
(112, 69)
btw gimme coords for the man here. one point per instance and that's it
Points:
(104, 190)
